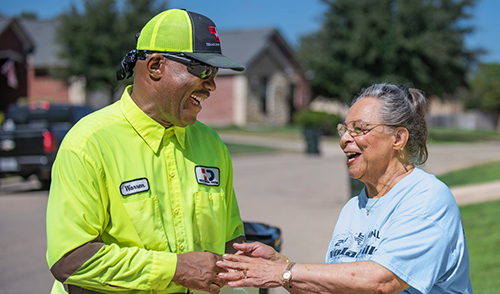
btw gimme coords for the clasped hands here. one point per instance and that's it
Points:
(254, 265)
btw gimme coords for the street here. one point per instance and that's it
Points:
(22, 243)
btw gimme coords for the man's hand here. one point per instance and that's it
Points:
(197, 270)
(257, 249)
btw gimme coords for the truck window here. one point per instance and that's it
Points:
(55, 114)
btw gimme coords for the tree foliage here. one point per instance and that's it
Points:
(362, 42)
(95, 40)
(485, 86)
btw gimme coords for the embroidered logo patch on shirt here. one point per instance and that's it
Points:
(209, 176)
(134, 186)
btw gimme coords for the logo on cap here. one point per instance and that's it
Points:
(209, 176)
(213, 31)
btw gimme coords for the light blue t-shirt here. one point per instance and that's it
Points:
(415, 231)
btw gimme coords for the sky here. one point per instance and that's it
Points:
(292, 18)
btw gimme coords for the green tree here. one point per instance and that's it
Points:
(362, 42)
(95, 40)
(485, 86)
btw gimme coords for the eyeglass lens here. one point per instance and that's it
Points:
(203, 70)
(354, 128)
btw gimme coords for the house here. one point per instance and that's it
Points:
(15, 45)
(41, 85)
(28, 52)
(267, 92)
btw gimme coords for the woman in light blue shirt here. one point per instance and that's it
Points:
(402, 234)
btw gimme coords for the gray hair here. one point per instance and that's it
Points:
(406, 107)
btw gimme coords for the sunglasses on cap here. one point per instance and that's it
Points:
(196, 68)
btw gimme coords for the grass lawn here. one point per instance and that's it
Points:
(482, 230)
(286, 132)
(483, 173)
(445, 135)
(235, 149)
(482, 227)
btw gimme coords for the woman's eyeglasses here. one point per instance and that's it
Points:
(356, 128)
(196, 68)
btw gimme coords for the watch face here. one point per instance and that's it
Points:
(286, 275)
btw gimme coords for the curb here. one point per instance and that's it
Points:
(476, 193)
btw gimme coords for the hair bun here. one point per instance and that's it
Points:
(406, 90)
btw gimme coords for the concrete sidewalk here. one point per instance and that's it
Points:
(476, 193)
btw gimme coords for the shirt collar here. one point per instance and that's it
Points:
(180, 134)
(150, 130)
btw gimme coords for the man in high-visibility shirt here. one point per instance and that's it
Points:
(142, 196)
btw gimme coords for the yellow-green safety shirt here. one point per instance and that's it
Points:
(127, 195)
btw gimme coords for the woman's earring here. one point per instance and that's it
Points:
(401, 153)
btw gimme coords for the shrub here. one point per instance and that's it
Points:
(325, 122)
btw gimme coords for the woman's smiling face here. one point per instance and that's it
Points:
(370, 153)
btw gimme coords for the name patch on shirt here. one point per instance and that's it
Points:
(134, 187)
(209, 176)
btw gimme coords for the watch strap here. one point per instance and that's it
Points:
(286, 282)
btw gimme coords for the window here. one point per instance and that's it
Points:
(263, 94)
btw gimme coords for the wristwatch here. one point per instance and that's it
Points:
(287, 275)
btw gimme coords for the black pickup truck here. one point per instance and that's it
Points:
(30, 137)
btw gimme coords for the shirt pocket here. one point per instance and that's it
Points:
(209, 221)
(146, 218)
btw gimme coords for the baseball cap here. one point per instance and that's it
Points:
(193, 34)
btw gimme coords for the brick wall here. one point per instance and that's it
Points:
(218, 109)
(41, 86)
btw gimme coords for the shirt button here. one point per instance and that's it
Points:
(172, 174)
(181, 247)
(210, 197)
(177, 210)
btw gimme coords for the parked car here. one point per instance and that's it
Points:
(30, 137)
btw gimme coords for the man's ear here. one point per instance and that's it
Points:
(155, 66)
(401, 136)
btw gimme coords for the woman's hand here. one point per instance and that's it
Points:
(255, 271)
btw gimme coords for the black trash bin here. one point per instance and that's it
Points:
(312, 136)
(263, 233)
